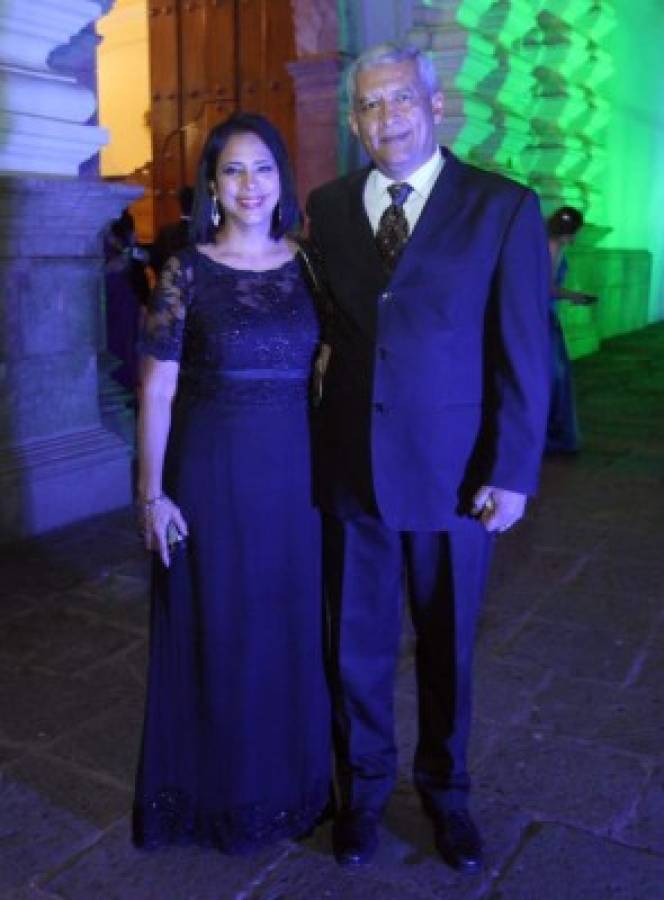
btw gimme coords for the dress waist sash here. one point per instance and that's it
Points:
(247, 387)
(261, 374)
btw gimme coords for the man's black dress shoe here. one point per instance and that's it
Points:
(355, 837)
(458, 840)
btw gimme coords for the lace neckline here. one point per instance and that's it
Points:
(239, 271)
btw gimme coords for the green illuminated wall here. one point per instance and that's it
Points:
(634, 188)
(526, 83)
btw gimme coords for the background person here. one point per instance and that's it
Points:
(562, 431)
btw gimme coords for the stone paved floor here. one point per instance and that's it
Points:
(568, 748)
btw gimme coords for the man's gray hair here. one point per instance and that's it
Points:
(393, 53)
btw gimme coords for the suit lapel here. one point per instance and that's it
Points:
(438, 214)
(364, 263)
(361, 235)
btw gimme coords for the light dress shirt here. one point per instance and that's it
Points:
(422, 180)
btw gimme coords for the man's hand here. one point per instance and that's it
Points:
(497, 508)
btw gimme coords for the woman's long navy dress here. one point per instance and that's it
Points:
(236, 740)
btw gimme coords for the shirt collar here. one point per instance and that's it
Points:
(420, 180)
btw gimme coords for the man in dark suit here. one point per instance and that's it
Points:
(431, 432)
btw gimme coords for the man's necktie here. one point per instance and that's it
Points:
(392, 232)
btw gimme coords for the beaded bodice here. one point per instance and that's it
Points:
(245, 335)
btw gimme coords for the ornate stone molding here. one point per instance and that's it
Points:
(29, 32)
(53, 481)
(46, 95)
(316, 27)
(33, 210)
(42, 112)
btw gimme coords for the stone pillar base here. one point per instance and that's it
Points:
(52, 482)
(57, 461)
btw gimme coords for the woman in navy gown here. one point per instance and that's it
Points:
(562, 433)
(236, 739)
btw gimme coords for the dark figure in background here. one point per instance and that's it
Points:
(562, 433)
(432, 430)
(127, 291)
(173, 237)
(236, 747)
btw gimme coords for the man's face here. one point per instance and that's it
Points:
(395, 117)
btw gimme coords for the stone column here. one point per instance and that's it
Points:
(316, 80)
(57, 462)
(316, 75)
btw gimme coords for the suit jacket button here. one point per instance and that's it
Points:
(379, 407)
(386, 296)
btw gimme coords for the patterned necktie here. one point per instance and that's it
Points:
(392, 232)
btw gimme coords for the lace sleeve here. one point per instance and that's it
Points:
(163, 327)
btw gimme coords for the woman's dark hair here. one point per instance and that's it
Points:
(564, 222)
(287, 214)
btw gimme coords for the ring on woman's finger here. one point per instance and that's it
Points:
(489, 505)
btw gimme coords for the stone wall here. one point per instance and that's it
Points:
(57, 462)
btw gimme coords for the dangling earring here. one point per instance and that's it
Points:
(215, 215)
(277, 215)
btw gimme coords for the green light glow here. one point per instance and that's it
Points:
(566, 96)
(634, 178)
(506, 22)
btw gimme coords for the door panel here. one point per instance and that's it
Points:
(208, 59)
(266, 26)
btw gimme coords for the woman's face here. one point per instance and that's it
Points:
(247, 183)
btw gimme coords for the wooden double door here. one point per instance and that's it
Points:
(209, 58)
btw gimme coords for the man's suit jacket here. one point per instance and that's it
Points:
(439, 380)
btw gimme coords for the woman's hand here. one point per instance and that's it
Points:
(160, 520)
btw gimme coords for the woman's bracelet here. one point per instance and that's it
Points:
(148, 503)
